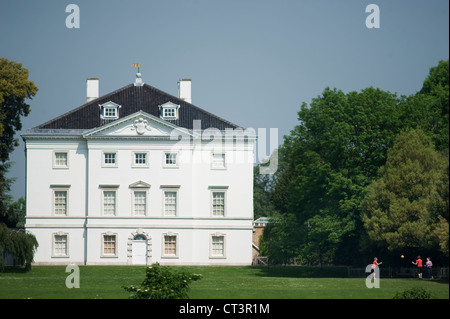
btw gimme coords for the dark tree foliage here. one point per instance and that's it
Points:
(333, 155)
(15, 88)
(18, 243)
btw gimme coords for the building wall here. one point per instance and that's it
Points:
(42, 178)
(44, 254)
(86, 178)
(193, 246)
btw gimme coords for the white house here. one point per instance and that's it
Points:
(139, 176)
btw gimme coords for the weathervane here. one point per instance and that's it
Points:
(136, 65)
(138, 81)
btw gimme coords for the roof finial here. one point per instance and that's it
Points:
(138, 81)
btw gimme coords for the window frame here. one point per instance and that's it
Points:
(217, 190)
(116, 159)
(54, 162)
(113, 110)
(165, 165)
(212, 255)
(54, 254)
(116, 246)
(113, 190)
(60, 188)
(109, 106)
(169, 107)
(164, 211)
(224, 167)
(134, 158)
(173, 189)
(163, 248)
(172, 110)
(139, 190)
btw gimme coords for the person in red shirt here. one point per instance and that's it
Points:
(419, 265)
(374, 265)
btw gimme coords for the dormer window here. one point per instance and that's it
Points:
(169, 111)
(109, 110)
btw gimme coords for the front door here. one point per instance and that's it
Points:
(139, 250)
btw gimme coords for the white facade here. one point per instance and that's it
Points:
(140, 190)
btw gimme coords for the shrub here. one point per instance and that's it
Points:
(163, 282)
(414, 293)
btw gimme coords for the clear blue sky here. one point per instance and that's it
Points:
(252, 62)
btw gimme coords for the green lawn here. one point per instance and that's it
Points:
(105, 282)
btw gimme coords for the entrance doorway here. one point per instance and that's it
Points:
(139, 250)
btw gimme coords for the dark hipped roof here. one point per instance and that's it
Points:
(133, 99)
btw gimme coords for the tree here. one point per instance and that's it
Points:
(328, 160)
(333, 155)
(399, 209)
(15, 214)
(5, 187)
(19, 243)
(429, 108)
(262, 186)
(280, 238)
(14, 89)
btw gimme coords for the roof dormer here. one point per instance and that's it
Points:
(169, 111)
(109, 110)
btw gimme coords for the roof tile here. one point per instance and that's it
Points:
(133, 99)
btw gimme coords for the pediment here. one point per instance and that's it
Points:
(140, 184)
(139, 124)
(110, 104)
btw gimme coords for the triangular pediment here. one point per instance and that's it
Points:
(110, 104)
(140, 184)
(139, 124)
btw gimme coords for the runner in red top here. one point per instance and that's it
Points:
(418, 263)
(374, 265)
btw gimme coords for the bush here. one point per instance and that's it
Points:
(414, 293)
(163, 282)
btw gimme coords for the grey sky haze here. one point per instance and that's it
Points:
(252, 62)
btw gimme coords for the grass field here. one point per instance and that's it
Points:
(105, 282)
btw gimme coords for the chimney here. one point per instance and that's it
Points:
(184, 90)
(91, 89)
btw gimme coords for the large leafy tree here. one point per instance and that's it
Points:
(280, 238)
(15, 89)
(20, 244)
(328, 161)
(428, 109)
(405, 207)
(262, 186)
(336, 152)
